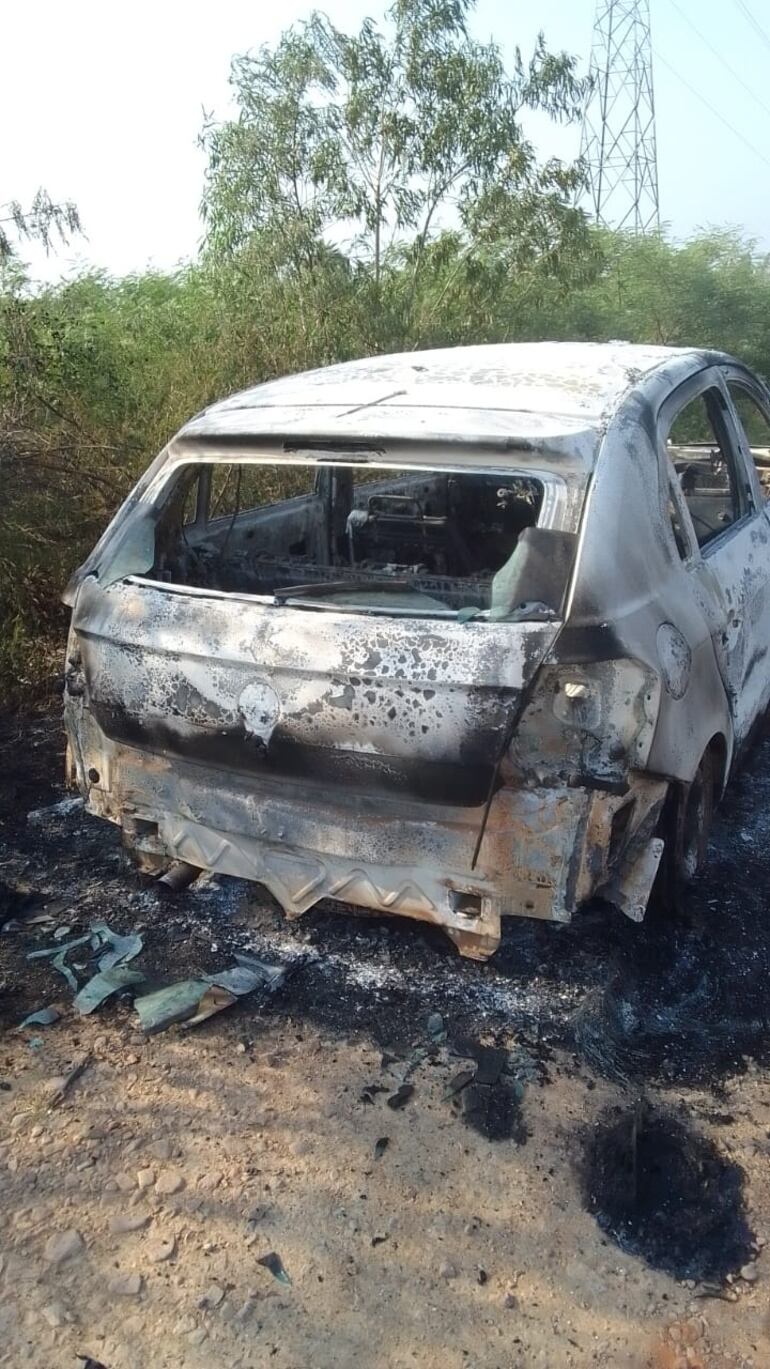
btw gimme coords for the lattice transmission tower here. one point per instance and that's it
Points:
(618, 138)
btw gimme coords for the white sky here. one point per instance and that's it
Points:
(102, 104)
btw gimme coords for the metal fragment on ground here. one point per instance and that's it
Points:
(104, 984)
(193, 1000)
(214, 999)
(115, 951)
(44, 1017)
(120, 949)
(164, 1007)
(274, 1263)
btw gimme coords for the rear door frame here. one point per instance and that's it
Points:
(738, 612)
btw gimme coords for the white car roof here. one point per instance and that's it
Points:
(543, 395)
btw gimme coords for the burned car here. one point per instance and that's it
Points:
(452, 635)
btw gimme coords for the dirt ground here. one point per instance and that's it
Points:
(341, 1174)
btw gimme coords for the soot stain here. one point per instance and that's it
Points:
(663, 1191)
(494, 1111)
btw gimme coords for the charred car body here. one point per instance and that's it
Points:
(452, 635)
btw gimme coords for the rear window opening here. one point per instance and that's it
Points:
(370, 539)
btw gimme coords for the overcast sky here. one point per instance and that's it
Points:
(103, 103)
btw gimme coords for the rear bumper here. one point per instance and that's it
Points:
(545, 850)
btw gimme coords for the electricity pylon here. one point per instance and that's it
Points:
(618, 138)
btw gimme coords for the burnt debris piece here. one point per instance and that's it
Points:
(107, 954)
(191, 1001)
(664, 1192)
(490, 1096)
(274, 1263)
(401, 1097)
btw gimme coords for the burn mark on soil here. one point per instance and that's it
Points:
(494, 1110)
(666, 1193)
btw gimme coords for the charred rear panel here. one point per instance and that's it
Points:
(388, 705)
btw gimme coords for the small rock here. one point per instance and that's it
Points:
(510, 1299)
(198, 1336)
(126, 1286)
(128, 1221)
(447, 1270)
(750, 1273)
(184, 1326)
(161, 1249)
(435, 1026)
(169, 1181)
(145, 1178)
(63, 1246)
(55, 1314)
(162, 1149)
(35, 1132)
(212, 1297)
(209, 1181)
(125, 1182)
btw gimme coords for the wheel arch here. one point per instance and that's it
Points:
(718, 750)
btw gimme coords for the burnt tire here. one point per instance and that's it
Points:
(685, 827)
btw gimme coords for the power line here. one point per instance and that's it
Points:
(755, 24)
(709, 106)
(720, 58)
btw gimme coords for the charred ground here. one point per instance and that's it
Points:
(677, 1008)
(678, 1001)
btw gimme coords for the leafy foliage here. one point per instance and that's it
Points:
(376, 138)
(44, 221)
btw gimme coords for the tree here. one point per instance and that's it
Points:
(42, 222)
(379, 138)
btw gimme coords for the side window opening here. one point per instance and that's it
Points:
(237, 488)
(756, 429)
(699, 447)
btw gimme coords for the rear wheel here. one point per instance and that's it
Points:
(685, 827)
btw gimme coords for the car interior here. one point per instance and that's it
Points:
(340, 534)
